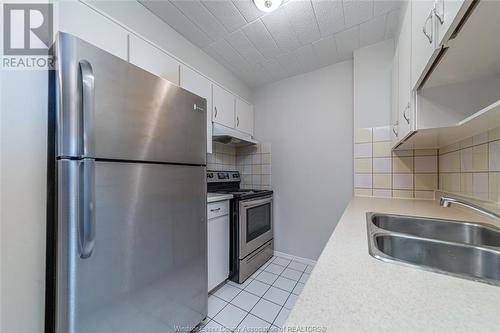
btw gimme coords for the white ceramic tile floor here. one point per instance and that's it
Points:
(262, 303)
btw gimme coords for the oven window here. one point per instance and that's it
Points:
(258, 221)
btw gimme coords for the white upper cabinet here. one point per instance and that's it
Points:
(446, 12)
(423, 38)
(244, 116)
(404, 75)
(85, 23)
(153, 59)
(394, 98)
(223, 107)
(201, 86)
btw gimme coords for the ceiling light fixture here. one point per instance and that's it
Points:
(267, 6)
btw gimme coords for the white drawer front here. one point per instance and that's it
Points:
(217, 209)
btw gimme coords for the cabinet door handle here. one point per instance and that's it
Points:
(215, 209)
(424, 29)
(406, 117)
(439, 15)
(215, 116)
(394, 130)
(237, 121)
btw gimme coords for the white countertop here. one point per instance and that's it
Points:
(350, 291)
(214, 197)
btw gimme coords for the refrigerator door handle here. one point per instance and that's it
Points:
(87, 220)
(87, 75)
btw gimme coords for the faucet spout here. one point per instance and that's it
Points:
(447, 201)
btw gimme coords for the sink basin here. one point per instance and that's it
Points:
(448, 258)
(461, 249)
(446, 230)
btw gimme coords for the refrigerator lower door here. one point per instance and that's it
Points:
(147, 269)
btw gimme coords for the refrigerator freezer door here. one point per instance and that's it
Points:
(147, 270)
(134, 115)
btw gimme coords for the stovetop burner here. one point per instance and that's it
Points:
(228, 182)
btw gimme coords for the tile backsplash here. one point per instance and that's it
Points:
(253, 163)
(471, 167)
(380, 172)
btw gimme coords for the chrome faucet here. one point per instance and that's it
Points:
(447, 201)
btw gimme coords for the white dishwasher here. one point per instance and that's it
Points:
(218, 243)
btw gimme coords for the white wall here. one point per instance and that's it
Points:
(372, 84)
(144, 23)
(308, 120)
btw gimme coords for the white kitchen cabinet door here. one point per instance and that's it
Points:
(153, 59)
(423, 43)
(404, 75)
(85, 23)
(394, 98)
(223, 107)
(244, 116)
(218, 251)
(446, 14)
(201, 86)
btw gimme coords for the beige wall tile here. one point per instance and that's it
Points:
(494, 186)
(466, 183)
(480, 186)
(494, 155)
(426, 181)
(257, 169)
(426, 164)
(402, 164)
(266, 158)
(466, 143)
(266, 180)
(494, 134)
(402, 194)
(402, 153)
(362, 150)
(450, 182)
(450, 148)
(426, 152)
(382, 133)
(363, 165)
(363, 180)
(382, 181)
(466, 160)
(480, 138)
(382, 149)
(449, 162)
(382, 165)
(425, 195)
(363, 192)
(480, 158)
(382, 193)
(362, 135)
(402, 181)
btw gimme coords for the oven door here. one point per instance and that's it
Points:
(256, 224)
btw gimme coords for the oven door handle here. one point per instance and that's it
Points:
(254, 203)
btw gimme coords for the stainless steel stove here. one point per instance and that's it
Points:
(251, 226)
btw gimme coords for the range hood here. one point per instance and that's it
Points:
(228, 135)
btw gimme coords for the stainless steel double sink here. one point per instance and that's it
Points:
(462, 249)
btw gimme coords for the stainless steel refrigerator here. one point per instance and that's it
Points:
(127, 231)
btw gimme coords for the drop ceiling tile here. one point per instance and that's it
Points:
(372, 31)
(248, 9)
(357, 11)
(303, 20)
(385, 6)
(261, 39)
(274, 68)
(347, 41)
(226, 51)
(392, 24)
(330, 16)
(173, 17)
(326, 50)
(227, 14)
(201, 17)
(307, 58)
(245, 48)
(278, 25)
(289, 63)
